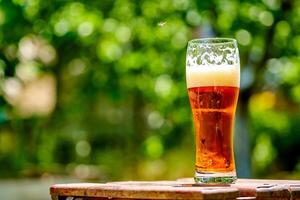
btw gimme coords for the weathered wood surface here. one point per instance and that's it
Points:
(266, 189)
(144, 190)
(181, 189)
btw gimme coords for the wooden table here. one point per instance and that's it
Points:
(181, 189)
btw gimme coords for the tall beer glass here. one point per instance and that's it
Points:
(213, 79)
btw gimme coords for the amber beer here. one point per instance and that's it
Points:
(213, 94)
(213, 110)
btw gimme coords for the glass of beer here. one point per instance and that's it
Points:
(213, 79)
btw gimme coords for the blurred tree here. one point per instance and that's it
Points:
(97, 89)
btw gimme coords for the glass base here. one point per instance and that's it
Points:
(215, 178)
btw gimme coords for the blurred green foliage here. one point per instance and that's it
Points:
(97, 89)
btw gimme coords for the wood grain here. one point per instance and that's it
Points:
(181, 189)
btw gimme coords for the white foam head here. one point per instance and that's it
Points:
(213, 75)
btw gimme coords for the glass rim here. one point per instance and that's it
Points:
(213, 41)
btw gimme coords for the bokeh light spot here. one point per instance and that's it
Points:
(283, 28)
(47, 53)
(155, 120)
(38, 97)
(243, 37)
(263, 101)
(76, 66)
(193, 18)
(272, 4)
(61, 27)
(179, 40)
(123, 33)
(154, 147)
(266, 18)
(110, 25)
(83, 148)
(85, 29)
(263, 152)
(181, 4)
(163, 85)
(12, 88)
(11, 52)
(27, 71)
(28, 48)
(109, 50)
